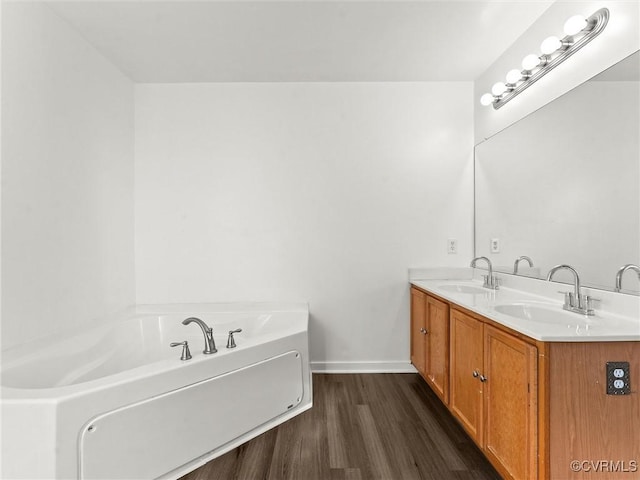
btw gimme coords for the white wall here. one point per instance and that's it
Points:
(67, 172)
(317, 192)
(620, 38)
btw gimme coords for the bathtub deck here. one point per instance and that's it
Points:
(365, 426)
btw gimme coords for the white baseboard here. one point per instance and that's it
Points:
(362, 367)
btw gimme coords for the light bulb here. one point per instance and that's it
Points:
(575, 25)
(486, 99)
(498, 89)
(550, 45)
(530, 62)
(514, 76)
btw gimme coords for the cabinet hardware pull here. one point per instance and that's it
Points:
(423, 331)
(475, 374)
(483, 378)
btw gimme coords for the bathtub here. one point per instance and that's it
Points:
(115, 401)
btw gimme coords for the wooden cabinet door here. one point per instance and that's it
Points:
(465, 389)
(437, 355)
(418, 329)
(510, 399)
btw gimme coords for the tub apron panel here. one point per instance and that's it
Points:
(150, 438)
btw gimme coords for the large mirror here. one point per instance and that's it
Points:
(563, 184)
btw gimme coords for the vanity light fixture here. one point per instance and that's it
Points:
(578, 32)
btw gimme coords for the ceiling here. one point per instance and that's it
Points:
(300, 40)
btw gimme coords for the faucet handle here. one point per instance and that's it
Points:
(569, 300)
(588, 303)
(186, 354)
(231, 343)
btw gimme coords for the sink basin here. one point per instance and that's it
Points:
(536, 313)
(554, 318)
(460, 288)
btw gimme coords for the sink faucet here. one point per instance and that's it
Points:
(621, 271)
(576, 301)
(517, 262)
(209, 343)
(489, 280)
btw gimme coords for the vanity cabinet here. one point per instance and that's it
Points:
(535, 408)
(494, 393)
(430, 341)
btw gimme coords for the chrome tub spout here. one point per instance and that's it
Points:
(209, 342)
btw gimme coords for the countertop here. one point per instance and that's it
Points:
(551, 322)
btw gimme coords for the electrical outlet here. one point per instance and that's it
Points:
(452, 245)
(495, 245)
(618, 378)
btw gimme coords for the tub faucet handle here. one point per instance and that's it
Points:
(231, 343)
(186, 354)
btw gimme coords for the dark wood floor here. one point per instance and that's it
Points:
(364, 426)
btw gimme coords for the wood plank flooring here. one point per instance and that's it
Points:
(361, 427)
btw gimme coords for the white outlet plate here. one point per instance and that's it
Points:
(495, 245)
(452, 245)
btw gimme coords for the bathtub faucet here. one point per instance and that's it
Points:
(209, 343)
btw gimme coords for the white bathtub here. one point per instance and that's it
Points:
(117, 402)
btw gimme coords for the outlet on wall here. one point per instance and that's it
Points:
(618, 378)
(452, 245)
(495, 245)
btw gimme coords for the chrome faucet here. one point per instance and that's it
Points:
(621, 271)
(517, 262)
(209, 342)
(574, 302)
(489, 280)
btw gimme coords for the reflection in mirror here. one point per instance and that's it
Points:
(563, 184)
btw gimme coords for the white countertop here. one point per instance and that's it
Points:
(553, 324)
